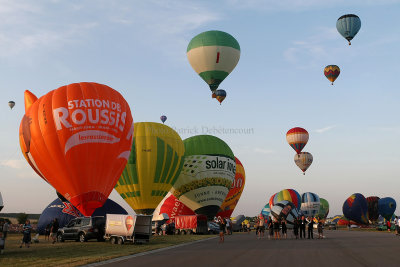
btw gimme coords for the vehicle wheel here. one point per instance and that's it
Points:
(120, 241)
(60, 238)
(113, 240)
(183, 232)
(82, 237)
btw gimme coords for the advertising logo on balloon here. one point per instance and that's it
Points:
(91, 120)
(70, 209)
(129, 222)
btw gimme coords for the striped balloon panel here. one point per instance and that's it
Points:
(285, 210)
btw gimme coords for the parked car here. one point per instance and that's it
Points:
(83, 229)
(213, 228)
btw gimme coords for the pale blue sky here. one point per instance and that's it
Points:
(139, 49)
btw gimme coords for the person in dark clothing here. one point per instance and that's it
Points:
(47, 232)
(284, 229)
(302, 227)
(276, 229)
(54, 229)
(296, 225)
(221, 224)
(310, 226)
(270, 228)
(26, 231)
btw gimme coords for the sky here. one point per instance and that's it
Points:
(139, 49)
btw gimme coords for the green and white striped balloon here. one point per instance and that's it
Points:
(213, 55)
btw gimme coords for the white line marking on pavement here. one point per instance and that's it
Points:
(145, 253)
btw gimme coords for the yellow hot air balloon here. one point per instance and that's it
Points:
(154, 165)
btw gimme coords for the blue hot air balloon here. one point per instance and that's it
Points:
(348, 26)
(386, 207)
(163, 118)
(355, 208)
(65, 212)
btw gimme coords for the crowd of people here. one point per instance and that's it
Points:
(277, 229)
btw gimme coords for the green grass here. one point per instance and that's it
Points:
(71, 253)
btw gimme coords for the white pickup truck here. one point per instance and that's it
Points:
(127, 228)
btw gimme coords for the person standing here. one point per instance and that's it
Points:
(310, 226)
(221, 224)
(26, 231)
(248, 227)
(396, 225)
(276, 229)
(47, 232)
(296, 225)
(303, 223)
(284, 229)
(6, 226)
(270, 228)
(54, 230)
(261, 226)
(320, 230)
(388, 225)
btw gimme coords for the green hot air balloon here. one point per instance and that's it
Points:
(207, 174)
(213, 55)
(323, 209)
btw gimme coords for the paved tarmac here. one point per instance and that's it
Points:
(339, 248)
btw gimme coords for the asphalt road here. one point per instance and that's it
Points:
(339, 248)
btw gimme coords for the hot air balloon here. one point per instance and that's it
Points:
(234, 193)
(372, 203)
(213, 55)
(355, 208)
(266, 211)
(207, 175)
(297, 138)
(285, 210)
(323, 209)
(271, 200)
(303, 161)
(309, 204)
(219, 95)
(171, 206)
(78, 138)
(348, 26)
(153, 167)
(163, 118)
(65, 212)
(1, 202)
(289, 195)
(11, 104)
(386, 207)
(331, 72)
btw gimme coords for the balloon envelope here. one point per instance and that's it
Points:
(289, 195)
(348, 26)
(310, 204)
(266, 211)
(373, 213)
(234, 193)
(213, 55)
(11, 104)
(386, 207)
(163, 118)
(355, 208)
(332, 72)
(65, 212)
(78, 138)
(303, 160)
(172, 207)
(323, 209)
(297, 138)
(207, 175)
(220, 95)
(153, 167)
(285, 210)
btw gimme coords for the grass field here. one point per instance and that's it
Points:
(71, 253)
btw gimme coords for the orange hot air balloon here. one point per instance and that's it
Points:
(78, 138)
(233, 196)
(297, 138)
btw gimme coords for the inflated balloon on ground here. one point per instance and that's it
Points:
(310, 204)
(154, 165)
(323, 209)
(386, 207)
(355, 208)
(285, 210)
(287, 194)
(373, 213)
(78, 138)
(207, 174)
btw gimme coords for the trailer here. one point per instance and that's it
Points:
(127, 228)
(191, 224)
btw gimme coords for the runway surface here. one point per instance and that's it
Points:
(339, 248)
